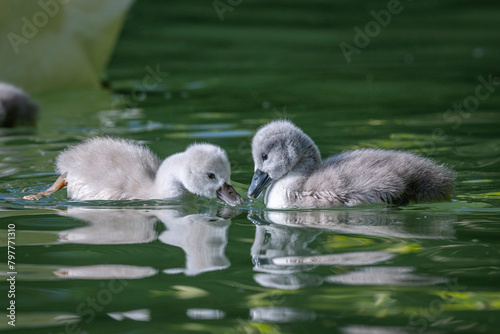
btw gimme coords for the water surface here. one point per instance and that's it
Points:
(197, 266)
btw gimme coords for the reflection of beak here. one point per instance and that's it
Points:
(227, 213)
(61, 273)
(257, 219)
(227, 194)
(260, 181)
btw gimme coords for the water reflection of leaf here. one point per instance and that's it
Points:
(343, 241)
(256, 327)
(403, 248)
(271, 297)
(468, 301)
(492, 195)
(181, 292)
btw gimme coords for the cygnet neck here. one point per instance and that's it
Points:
(281, 192)
(310, 158)
(168, 181)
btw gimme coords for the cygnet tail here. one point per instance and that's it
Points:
(434, 184)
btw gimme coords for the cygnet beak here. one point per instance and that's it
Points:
(260, 181)
(227, 194)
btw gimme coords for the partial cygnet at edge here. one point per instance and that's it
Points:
(16, 107)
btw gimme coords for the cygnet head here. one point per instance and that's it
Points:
(206, 172)
(278, 148)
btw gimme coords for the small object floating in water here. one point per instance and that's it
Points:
(289, 163)
(106, 168)
(16, 107)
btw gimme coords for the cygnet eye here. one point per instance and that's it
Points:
(264, 157)
(211, 176)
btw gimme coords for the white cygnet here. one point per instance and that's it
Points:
(16, 107)
(106, 168)
(288, 161)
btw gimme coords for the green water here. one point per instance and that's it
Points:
(197, 266)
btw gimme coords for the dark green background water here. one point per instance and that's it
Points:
(193, 266)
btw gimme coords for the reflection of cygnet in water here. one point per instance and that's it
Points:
(275, 241)
(280, 250)
(110, 226)
(203, 237)
(106, 271)
(282, 254)
(377, 222)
